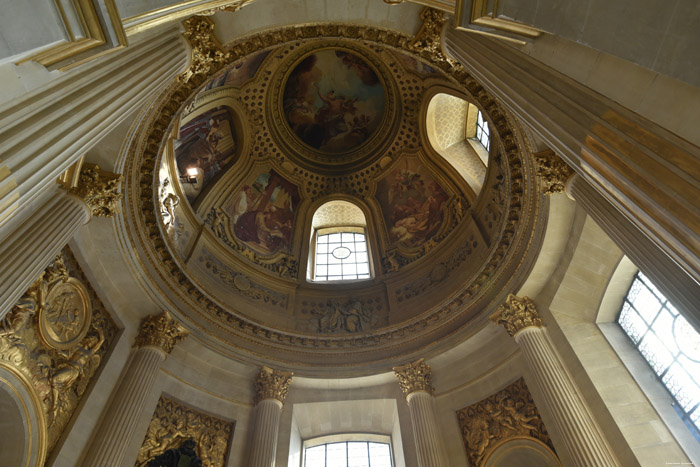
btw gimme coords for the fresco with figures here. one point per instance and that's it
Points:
(206, 144)
(412, 203)
(240, 73)
(262, 211)
(333, 101)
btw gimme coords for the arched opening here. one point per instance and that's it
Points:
(458, 131)
(522, 452)
(339, 250)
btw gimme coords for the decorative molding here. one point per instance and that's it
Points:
(56, 336)
(517, 314)
(272, 384)
(413, 377)
(175, 425)
(100, 190)
(509, 413)
(146, 151)
(160, 331)
(553, 172)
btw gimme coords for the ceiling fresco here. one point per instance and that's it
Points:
(333, 101)
(298, 118)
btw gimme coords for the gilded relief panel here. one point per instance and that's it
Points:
(177, 430)
(508, 414)
(56, 336)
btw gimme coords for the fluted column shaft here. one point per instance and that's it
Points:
(429, 449)
(263, 449)
(109, 444)
(26, 251)
(585, 443)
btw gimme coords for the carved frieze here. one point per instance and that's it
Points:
(510, 413)
(415, 376)
(338, 316)
(175, 425)
(272, 384)
(516, 314)
(160, 331)
(56, 336)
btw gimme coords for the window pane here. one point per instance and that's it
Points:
(334, 238)
(336, 455)
(358, 456)
(380, 454)
(315, 457)
(669, 344)
(334, 270)
(322, 248)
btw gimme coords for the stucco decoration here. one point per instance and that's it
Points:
(438, 273)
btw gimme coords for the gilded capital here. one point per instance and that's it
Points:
(160, 331)
(413, 377)
(516, 314)
(100, 190)
(553, 172)
(207, 54)
(272, 384)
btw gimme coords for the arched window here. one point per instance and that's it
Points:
(354, 451)
(668, 343)
(339, 248)
(482, 131)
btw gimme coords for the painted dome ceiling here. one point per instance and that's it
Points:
(337, 124)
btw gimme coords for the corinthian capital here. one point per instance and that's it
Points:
(516, 314)
(553, 172)
(100, 190)
(272, 384)
(160, 331)
(414, 377)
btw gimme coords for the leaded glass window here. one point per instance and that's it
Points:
(482, 131)
(341, 255)
(669, 344)
(348, 454)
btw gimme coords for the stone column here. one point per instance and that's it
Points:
(26, 251)
(416, 381)
(271, 387)
(156, 339)
(584, 440)
(46, 130)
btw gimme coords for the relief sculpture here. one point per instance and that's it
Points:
(175, 426)
(56, 336)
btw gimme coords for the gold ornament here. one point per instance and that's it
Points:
(510, 413)
(272, 384)
(517, 314)
(160, 331)
(553, 172)
(100, 190)
(173, 423)
(416, 376)
(56, 336)
(207, 55)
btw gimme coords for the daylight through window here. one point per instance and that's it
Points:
(348, 454)
(341, 256)
(669, 344)
(482, 130)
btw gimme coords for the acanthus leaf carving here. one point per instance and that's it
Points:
(415, 376)
(516, 314)
(100, 190)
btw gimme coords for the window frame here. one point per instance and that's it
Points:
(348, 438)
(484, 129)
(664, 304)
(355, 229)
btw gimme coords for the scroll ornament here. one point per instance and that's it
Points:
(413, 377)
(160, 331)
(272, 384)
(517, 314)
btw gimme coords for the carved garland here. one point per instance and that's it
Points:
(208, 59)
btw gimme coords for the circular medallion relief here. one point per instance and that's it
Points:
(333, 101)
(66, 317)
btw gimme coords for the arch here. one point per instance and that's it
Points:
(451, 127)
(23, 440)
(339, 244)
(521, 452)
